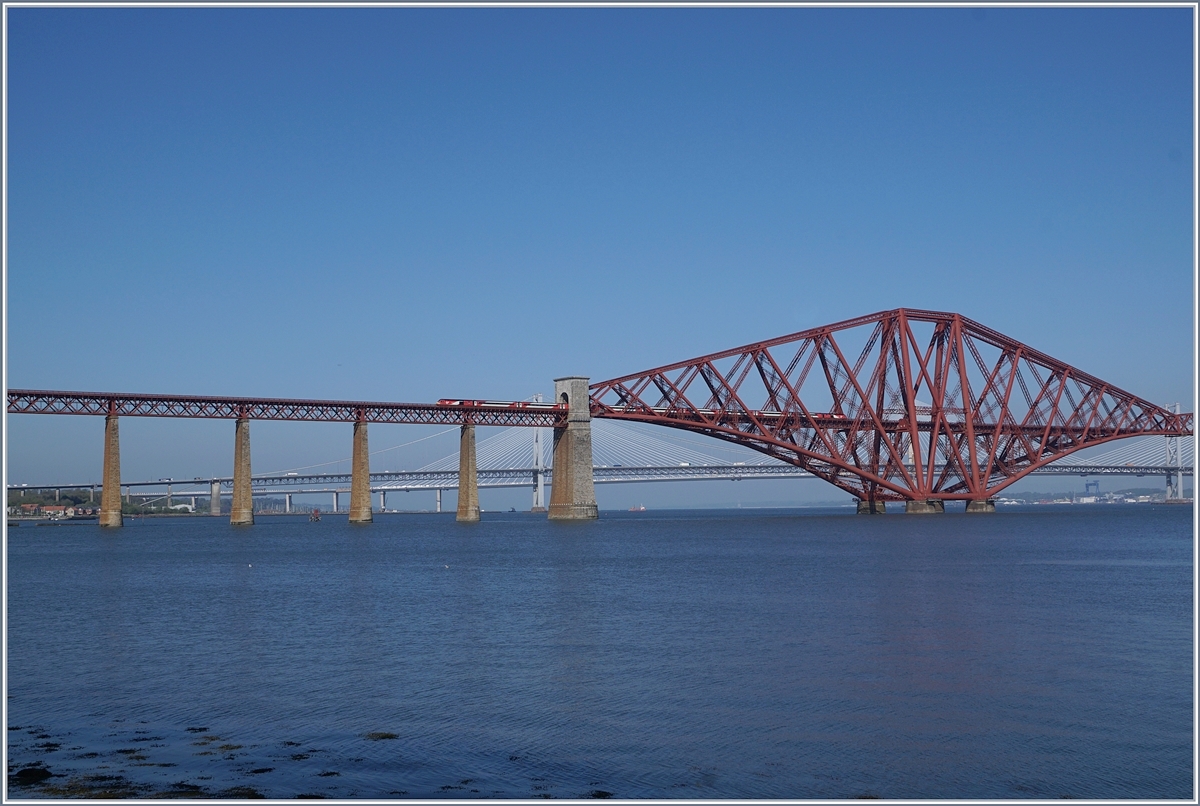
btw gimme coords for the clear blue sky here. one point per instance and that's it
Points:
(408, 204)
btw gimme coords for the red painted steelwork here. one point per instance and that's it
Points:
(959, 413)
(22, 401)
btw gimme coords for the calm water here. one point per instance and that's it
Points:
(746, 654)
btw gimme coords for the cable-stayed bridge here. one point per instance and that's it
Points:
(631, 454)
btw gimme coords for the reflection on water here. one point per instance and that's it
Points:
(767, 654)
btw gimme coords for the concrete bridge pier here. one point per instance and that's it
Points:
(928, 507)
(572, 491)
(468, 477)
(360, 476)
(287, 503)
(110, 492)
(982, 505)
(871, 507)
(242, 510)
(214, 498)
(439, 501)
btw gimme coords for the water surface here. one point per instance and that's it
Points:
(1038, 653)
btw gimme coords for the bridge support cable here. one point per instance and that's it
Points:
(468, 477)
(360, 476)
(110, 492)
(241, 511)
(573, 491)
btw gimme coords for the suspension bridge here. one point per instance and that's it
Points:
(912, 406)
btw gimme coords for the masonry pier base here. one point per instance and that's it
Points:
(110, 492)
(242, 510)
(468, 477)
(573, 491)
(933, 505)
(871, 507)
(985, 505)
(360, 476)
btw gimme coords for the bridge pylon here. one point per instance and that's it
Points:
(360, 476)
(242, 509)
(572, 490)
(468, 477)
(110, 492)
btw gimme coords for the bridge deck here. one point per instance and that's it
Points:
(458, 412)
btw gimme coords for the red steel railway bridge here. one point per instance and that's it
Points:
(905, 406)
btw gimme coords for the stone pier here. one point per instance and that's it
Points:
(360, 477)
(933, 505)
(572, 491)
(983, 505)
(110, 492)
(242, 510)
(468, 477)
(871, 507)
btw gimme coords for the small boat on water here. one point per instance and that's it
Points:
(315, 515)
(638, 508)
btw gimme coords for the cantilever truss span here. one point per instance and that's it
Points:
(899, 405)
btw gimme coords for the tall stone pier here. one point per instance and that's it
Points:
(110, 493)
(214, 498)
(468, 477)
(242, 510)
(572, 491)
(360, 476)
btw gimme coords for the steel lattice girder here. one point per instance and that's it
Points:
(958, 412)
(21, 401)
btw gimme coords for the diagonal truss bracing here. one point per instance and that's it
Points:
(899, 405)
(457, 412)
